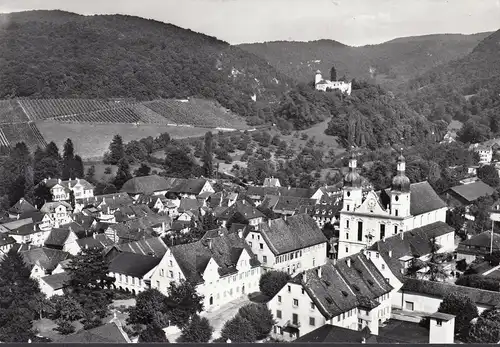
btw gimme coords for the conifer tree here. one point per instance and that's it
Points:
(208, 167)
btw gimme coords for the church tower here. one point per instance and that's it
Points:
(318, 77)
(400, 191)
(353, 195)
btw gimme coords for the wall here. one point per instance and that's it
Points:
(384, 269)
(124, 282)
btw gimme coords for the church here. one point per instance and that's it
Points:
(324, 85)
(366, 218)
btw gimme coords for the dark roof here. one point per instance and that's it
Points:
(69, 183)
(57, 237)
(242, 207)
(414, 243)
(26, 229)
(294, 233)
(441, 289)
(108, 333)
(123, 198)
(225, 249)
(291, 203)
(343, 286)
(6, 239)
(305, 193)
(188, 186)
(48, 258)
(473, 191)
(442, 316)
(328, 211)
(475, 244)
(95, 241)
(57, 281)
(146, 185)
(334, 334)
(153, 246)
(22, 206)
(189, 205)
(133, 264)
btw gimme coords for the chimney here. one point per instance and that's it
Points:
(402, 235)
(240, 233)
(319, 272)
(348, 261)
(304, 277)
(390, 254)
(209, 243)
(59, 181)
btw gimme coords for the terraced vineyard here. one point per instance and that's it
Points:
(195, 112)
(11, 112)
(49, 108)
(114, 115)
(10, 134)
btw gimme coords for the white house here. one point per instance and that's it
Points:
(191, 188)
(60, 189)
(59, 212)
(485, 153)
(350, 294)
(292, 245)
(324, 85)
(31, 234)
(366, 219)
(223, 268)
(146, 185)
(245, 210)
(54, 284)
(64, 240)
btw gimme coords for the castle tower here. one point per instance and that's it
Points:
(353, 195)
(318, 77)
(400, 191)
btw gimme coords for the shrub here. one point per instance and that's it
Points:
(64, 327)
(153, 333)
(271, 282)
(238, 329)
(462, 307)
(260, 317)
(198, 330)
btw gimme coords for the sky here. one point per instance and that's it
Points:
(352, 22)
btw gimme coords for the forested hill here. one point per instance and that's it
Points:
(55, 54)
(467, 89)
(389, 63)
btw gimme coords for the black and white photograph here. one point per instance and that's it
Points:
(250, 171)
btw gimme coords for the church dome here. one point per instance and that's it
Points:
(401, 183)
(352, 179)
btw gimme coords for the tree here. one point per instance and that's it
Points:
(178, 163)
(493, 258)
(333, 74)
(207, 158)
(72, 199)
(153, 333)
(52, 151)
(123, 174)
(66, 308)
(68, 160)
(271, 282)
(487, 327)
(64, 327)
(48, 167)
(78, 167)
(456, 218)
(238, 329)
(42, 195)
(462, 307)
(183, 302)
(489, 175)
(90, 176)
(260, 317)
(136, 151)
(143, 170)
(209, 222)
(198, 330)
(150, 309)
(116, 151)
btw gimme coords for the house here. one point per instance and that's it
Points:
(478, 246)
(244, 210)
(426, 296)
(292, 245)
(60, 189)
(42, 261)
(54, 284)
(257, 194)
(271, 182)
(59, 212)
(21, 207)
(43, 220)
(394, 255)
(368, 218)
(149, 185)
(485, 152)
(466, 194)
(351, 294)
(322, 214)
(189, 205)
(63, 239)
(191, 188)
(222, 268)
(325, 85)
(31, 234)
(100, 241)
(108, 333)
(115, 199)
(153, 247)
(289, 205)
(329, 333)
(132, 271)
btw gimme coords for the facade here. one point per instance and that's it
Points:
(351, 294)
(60, 189)
(292, 245)
(441, 328)
(485, 153)
(59, 212)
(132, 271)
(64, 240)
(366, 219)
(324, 85)
(191, 188)
(223, 268)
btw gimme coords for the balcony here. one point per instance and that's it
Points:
(291, 324)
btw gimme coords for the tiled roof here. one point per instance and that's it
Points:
(327, 211)
(473, 191)
(343, 287)
(133, 264)
(291, 203)
(482, 240)
(21, 207)
(333, 334)
(153, 246)
(57, 237)
(242, 207)
(270, 201)
(26, 229)
(69, 183)
(108, 333)
(423, 198)
(57, 281)
(50, 207)
(441, 289)
(294, 233)
(123, 198)
(188, 186)
(189, 205)
(95, 241)
(47, 258)
(146, 185)
(225, 249)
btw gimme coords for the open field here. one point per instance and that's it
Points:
(92, 140)
(318, 132)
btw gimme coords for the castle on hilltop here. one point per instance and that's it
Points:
(324, 85)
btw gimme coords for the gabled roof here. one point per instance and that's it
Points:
(225, 250)
(47, 258)
(22, 206)
(58, 237)
(294, 233)
(473, 191)
(476, 242)
(50, 207)
(146, 185)
(95, 241)
(244, 208)
(343, 287)
(50, 183)
(26, 229)
(189, 205)
(333, 334)
(188, 186)
(423, 198)
(133, 264)
(108, 333)
(57, 281)
(153, 247)
(441, 289)
(291, 203)
(121, 198)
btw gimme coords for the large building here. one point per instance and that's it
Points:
(324, 85)
(368, 218)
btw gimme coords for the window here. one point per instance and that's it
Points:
(395, 229)
(295, 302)
(396, 213)
(439, 322)
(347, 249)
(279, 298)
(347, 236)
(278, 314)
(409, 306)
(261, 245)
(338, 318)
(347, 207)
(360, 231)
(157, 284)
(347, 224)
(360, 324)
(295, 319)
(264, 259)
(383, 267)
(382, 231)
(312, 321)
(289, 289)
(303, 291)
(170, 263)
(312, 306)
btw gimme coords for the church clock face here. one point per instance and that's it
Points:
(371, 203)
